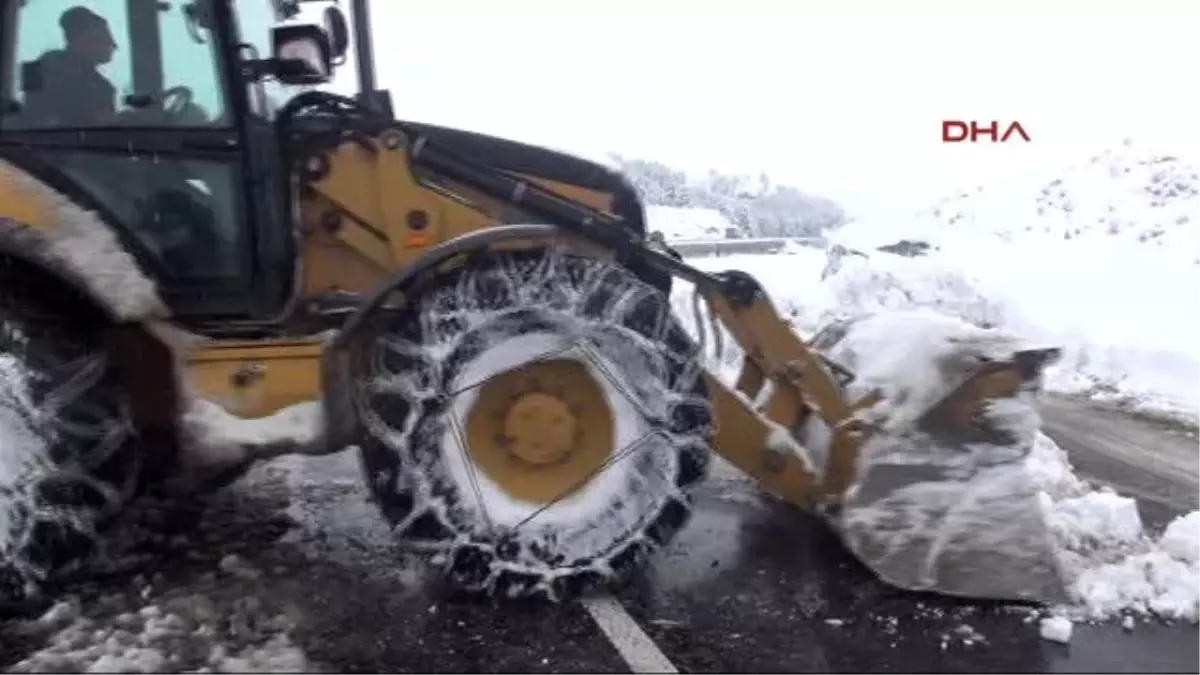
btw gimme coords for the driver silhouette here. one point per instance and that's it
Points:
(70, 91)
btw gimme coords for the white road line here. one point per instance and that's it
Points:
(638, 650)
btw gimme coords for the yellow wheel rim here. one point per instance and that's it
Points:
(541, 430)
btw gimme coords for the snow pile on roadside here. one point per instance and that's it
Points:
(1112, 564)
(175, 631)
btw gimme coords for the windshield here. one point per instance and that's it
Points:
(110, 63)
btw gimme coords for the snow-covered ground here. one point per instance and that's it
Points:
(1102, 261)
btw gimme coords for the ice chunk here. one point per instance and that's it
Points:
(1097, 520)
(1056, 629)
(1181, 540)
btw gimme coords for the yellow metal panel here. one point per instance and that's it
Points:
(23, 205)
(255, 379)
(351, 182)
(601, 201)
(743, 437)
(367, 243)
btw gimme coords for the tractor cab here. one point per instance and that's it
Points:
(156, 115)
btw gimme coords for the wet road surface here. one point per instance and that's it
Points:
(1155, 461)
(752, 585)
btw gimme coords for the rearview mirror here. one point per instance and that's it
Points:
(301, 54)
(337, 32)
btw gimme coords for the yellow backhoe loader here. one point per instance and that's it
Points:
(193, 234)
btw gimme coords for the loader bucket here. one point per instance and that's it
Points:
(942, 499)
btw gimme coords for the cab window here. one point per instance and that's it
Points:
(184, 215)
(106, 63)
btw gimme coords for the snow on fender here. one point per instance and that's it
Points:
(76, 245)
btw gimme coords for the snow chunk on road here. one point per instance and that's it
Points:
(216, 623)
(1111, 564)
(1112, 570)
(1150, 582)
(1051, 470)
(1096, 521)
(1056, 629)
(1181, 540)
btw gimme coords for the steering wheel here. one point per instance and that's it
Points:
(182, 229)
(172, 107)
(174, 101)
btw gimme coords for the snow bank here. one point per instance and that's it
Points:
(1114, 565)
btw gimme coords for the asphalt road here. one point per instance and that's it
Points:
(1153, 460)
(292, 570)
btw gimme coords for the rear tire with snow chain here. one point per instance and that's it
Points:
(509, 354)
(68, 460)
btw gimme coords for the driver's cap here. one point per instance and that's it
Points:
(79, 19)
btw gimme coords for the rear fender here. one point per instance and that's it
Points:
(44, 227)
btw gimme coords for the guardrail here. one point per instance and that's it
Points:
(700, 248)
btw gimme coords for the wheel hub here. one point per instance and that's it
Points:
(541, 430)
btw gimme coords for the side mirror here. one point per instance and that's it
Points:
(301, 54)
(337, 31)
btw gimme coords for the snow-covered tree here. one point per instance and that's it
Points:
(756, 205)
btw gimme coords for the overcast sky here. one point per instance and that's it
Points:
(839, 97)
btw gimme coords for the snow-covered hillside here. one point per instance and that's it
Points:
(1103, 259)
(754, 205)
(1131, 193)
